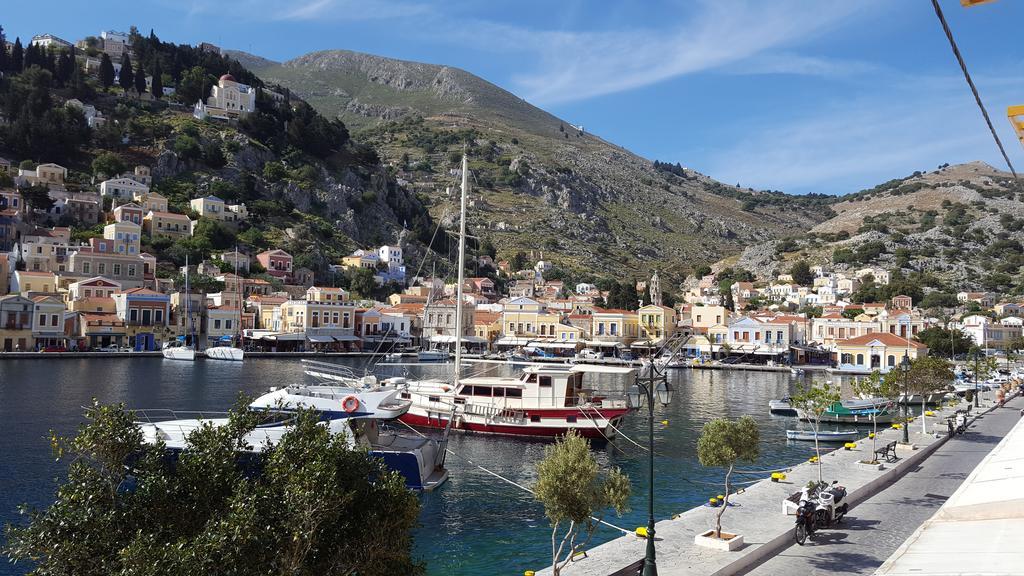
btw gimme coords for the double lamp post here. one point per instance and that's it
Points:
(654, 387)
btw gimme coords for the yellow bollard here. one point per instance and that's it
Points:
(871, 434)
(929, 413)
(812, 459)
(713, 501)
(897, 426)
(529, 573)
(777, 476)
(850, 445)
(664, 422)
(641, 531)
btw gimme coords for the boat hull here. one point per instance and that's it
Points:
(179, 353)
(822, 436)
(432, 356)
(537, 430)
(228, 353)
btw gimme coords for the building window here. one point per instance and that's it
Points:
(216, 324)
(891, 360)
(42, 319)
(117, 269)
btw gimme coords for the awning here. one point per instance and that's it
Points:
(320, 339)
(646, 344)
(604, 344)
(561, 345)
(446, 339)
(513, 341)
(286, 336)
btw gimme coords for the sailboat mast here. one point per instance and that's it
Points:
(238, 294)
(462, 266)
(188, 301)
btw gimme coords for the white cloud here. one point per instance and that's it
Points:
(579, 65)
(797, 64)
(859, 142)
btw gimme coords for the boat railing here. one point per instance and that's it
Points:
(156, 415)
(328, 370)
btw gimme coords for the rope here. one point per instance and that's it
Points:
(512, 482)
(970, 82)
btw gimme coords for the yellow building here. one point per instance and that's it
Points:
(525, 321)
(657, 323)
(880, 351)
(167, 224)
(704, 317)
(611, 327)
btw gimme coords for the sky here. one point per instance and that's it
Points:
(827, 96)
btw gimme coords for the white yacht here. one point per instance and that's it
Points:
(432, 355)
(183, 347)
(226, 350)
(225, 353)
(358, 412)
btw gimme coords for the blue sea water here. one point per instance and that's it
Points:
(475, 524)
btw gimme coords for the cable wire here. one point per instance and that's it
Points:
(970, 82)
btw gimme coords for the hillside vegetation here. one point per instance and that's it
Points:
(540, 183)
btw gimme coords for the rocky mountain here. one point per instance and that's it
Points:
(954, 228)
(541, 185)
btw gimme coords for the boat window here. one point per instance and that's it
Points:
(460, 400)
(434, 398)
(570, 418)
(405, 395)
(534, 418)
(498, 392)
(481, 391)
(545, 381)
(513, 393)
(531, 377)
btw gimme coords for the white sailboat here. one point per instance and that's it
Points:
(432, 354)
(184, 347)
(230, 352)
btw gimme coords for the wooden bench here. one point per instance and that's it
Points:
(888, 452)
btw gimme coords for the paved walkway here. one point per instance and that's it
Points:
(879, 525)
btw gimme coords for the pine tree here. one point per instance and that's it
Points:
(17, 56)
(29, 57)
(65, 67)
(158, 84)
(140, 80)
(5, 60)
(126, 79)
(106, 72)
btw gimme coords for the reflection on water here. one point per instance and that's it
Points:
(476, 524)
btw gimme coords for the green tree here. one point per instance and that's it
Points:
(5, 58)
(801, 273)
(107, 164)
(572, 490)
(944, 342)
(187, 148)
(194, 85)
(126, 509)
(199, 283)
(362, 282)
(126, 78)
(17, 56)
(722, 444)
(813, 401)
(140, 80)
(106, 72)
(36, 197)
(878, 386)
(928, 374)
(157, 85)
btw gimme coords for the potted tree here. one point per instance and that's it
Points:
(813, 401)
(927, 375)
(572, 490)
(877, 386)
(723, 443)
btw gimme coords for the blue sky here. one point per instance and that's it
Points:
(798, 95)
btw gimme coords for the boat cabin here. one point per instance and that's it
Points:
(537, 387)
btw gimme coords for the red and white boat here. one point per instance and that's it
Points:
(545, 400)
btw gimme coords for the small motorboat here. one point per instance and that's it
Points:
(796, 371)
(781, 407)
(823, 435)
(432, 355)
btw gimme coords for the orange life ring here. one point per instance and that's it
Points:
(350, 404)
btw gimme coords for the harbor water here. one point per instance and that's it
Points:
(476, 523)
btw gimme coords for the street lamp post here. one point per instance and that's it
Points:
(905, 368)
(657, 385)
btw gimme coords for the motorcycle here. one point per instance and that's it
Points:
(821, 505)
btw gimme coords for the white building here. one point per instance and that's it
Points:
(229, 99)
(50, 41)
(122, 188)
(93, 117)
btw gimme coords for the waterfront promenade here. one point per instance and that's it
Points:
(757, 512)
(878, 526)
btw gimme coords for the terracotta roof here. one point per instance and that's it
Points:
(166, 214)
(833, 316)
(141, 291)
(886, 338)
(486, 317)
(34, 273)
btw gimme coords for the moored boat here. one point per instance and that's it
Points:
(823, 435)
(837, 412)
(781, 407)
(432, 355)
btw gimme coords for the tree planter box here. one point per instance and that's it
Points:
(868, 465)
(727, 543)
